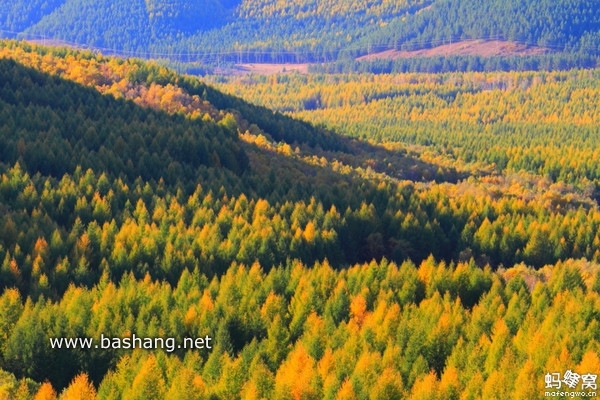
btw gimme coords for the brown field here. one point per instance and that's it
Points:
(464, 48)
(54, 43)
(269, 69)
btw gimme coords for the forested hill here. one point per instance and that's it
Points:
(134, 200)
(559, 25)
(69, 125)
(300, 30)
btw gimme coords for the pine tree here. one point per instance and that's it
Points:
(148, 383)
(297, 377)
(80, 388)
(45, 392)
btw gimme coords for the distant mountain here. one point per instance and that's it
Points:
(300, 30)
(122, 25)
(16, 16)
(560, 25)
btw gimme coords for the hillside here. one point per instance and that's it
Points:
(571, 24)
(267, 31)
(354, 236)
(485, 48)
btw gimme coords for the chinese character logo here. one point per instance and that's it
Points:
(553, 380)
(570, 379)
(589, 381)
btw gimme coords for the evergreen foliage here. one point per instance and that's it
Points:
(221, 31)
(428, 255)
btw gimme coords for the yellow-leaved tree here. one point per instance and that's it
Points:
(80, 389)
(297, 377)
(45, 392)
(149, 382)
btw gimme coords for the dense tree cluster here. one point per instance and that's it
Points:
(541, 122)
(102, 23)
(567, 25)
(221, 31)
(459, 63)
(61, 125)
(321, 196)
(135, 200)
(18, 15)
(176, 27)
(127, 25)
(378, 330)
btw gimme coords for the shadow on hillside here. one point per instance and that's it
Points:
(318, 141)
(309, 172)
(83, 129)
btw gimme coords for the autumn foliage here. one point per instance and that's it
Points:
(448, 249)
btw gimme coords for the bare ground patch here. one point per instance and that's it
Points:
(464, 48)
(269, 69)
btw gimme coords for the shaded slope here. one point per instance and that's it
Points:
(84, 128)
(101, 23)
(18, 15)
(168, 17)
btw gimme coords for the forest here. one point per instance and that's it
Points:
(352, 236)
(569, 24)
(222, 32)
(454, 63)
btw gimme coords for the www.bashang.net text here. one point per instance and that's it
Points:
(132, 342)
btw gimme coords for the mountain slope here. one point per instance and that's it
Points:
(269, 31)
(103, 23)
(89, 130)
(19, 15)
(564, 25)
(123, 25)
(311, 266)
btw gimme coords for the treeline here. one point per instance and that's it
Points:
(378, 330)
(453, 63)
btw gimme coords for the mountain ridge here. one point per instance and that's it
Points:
(219, 31)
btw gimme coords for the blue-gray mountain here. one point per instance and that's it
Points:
(300, 30)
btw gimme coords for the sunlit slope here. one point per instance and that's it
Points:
(134, 200)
